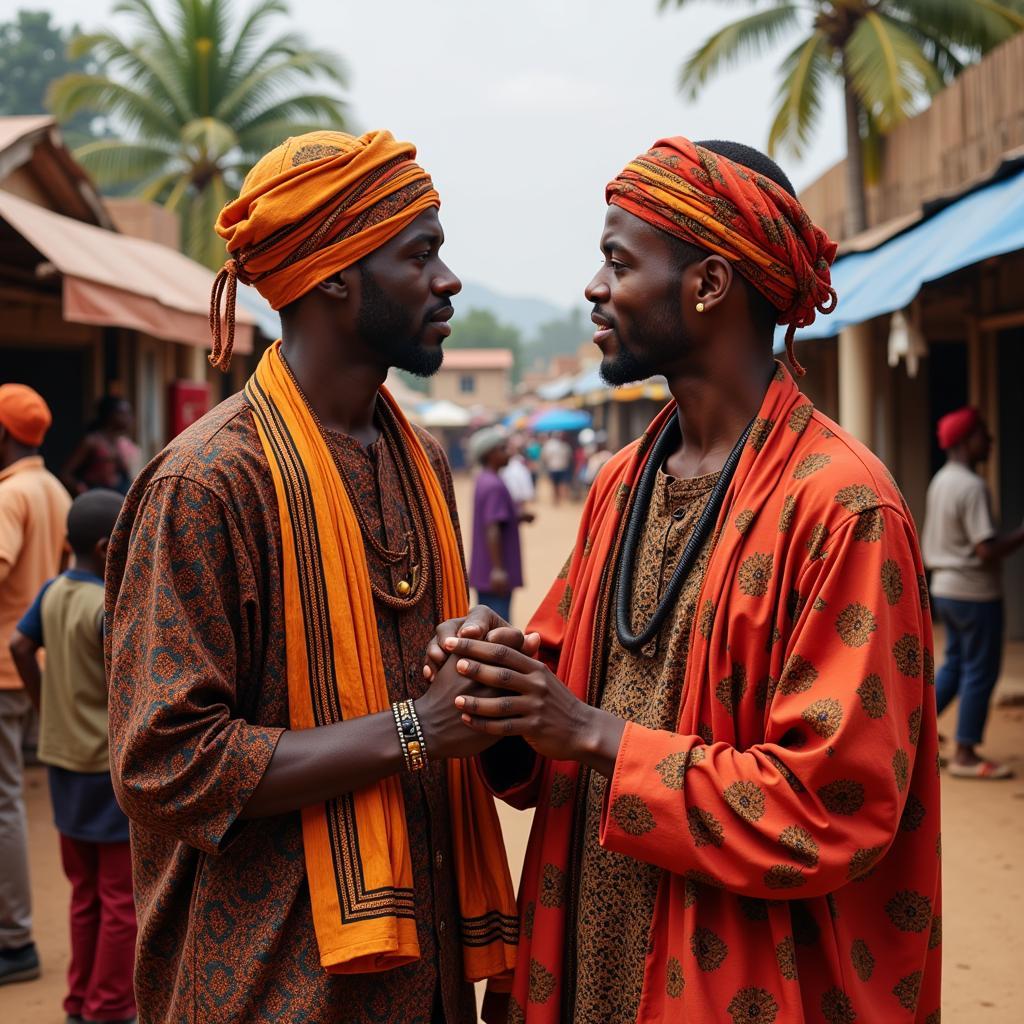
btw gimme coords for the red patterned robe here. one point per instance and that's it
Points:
(794, 810)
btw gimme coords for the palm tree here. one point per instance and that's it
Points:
(889, 56)
(197, 104)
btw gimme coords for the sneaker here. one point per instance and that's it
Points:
(21, 964)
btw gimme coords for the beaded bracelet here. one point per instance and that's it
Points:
(410, 735)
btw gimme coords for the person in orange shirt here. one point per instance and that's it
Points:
(33, 516)
(736, 787)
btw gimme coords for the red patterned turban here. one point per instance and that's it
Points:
(717, 204)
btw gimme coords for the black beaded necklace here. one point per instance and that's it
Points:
(667, 441)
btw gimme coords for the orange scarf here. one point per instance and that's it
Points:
(357, 846)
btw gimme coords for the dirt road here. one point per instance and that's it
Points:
(982, 842)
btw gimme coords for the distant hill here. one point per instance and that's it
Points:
(522, 311)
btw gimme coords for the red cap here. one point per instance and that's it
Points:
(24, 413)
(955, 427)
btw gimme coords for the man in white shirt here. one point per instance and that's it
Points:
(963, 550)
(556, 457)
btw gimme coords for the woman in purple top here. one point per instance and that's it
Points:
(495, 567)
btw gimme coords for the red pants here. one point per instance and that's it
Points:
(102, 930)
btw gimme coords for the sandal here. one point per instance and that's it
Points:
(980, 770)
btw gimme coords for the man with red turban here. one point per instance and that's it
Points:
(964, 552)
(308, 842)
(729, 724)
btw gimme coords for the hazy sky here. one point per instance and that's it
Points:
(522, 111)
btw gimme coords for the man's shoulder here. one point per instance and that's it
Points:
(221, 452)
(833, 475)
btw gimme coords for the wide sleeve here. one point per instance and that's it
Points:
(820, 800)
(184, 759)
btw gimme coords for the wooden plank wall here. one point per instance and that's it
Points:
(960, 138)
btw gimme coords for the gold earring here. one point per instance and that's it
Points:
(700, 307)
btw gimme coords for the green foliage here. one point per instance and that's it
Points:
(561, 336)
(479, 328)
(197, 99)
(33, 53)
(894, 54)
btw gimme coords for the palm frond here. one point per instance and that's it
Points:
(77, 91)
(748, 36)
(199, 210)
(156, 189)
(146, 70)
(310, 106)
(946, 60)
(976, 25)
(113, 162)
(800, 95)
(887, 69)
(266, 83)
(146, 16)
(247, 36)
(207, 139)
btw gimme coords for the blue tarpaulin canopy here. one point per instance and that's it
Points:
(560, 419)
(984, 223)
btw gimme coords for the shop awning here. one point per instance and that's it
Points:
(985, 223)
(118, 281)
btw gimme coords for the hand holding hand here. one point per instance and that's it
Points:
(444, 730)
(480, 624)
(538, 706)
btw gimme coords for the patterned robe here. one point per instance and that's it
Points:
(794, 808)
(196, 656)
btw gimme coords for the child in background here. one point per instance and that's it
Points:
(71, 693)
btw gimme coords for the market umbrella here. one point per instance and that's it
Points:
(560, 419)
(443, 414)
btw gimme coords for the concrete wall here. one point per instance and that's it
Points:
(491, 387)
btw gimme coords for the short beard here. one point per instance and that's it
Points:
(387, 328)
(625, 367)
(664, 340)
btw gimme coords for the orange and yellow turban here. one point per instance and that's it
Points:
(313, 206)
(717, 204)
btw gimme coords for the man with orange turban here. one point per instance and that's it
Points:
(308, 842)
(33, 514)
(729, 718)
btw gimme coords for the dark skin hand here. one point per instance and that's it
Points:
(314, 765)
(481, 623)
(539, 706)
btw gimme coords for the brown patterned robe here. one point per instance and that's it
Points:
(617, 893)
(198, 701)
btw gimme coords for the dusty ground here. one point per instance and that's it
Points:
(983, 844)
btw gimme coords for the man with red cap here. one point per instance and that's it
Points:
(33, 516)
(730, 730)
(963, 550)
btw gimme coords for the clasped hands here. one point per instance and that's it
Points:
(487, 672)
